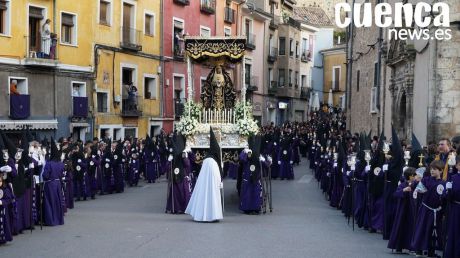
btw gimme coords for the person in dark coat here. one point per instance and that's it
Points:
(6, 211)
(452, 249)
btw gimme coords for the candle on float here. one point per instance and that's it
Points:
(199, 117)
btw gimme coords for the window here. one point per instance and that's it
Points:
(179, 86)
(130, 132)
(105, 12)
(247, 74)
(150, 88)
(78, 89)
(178, 40)
(282, 79)
(357, 80)
(227, 31)
(374, 100)
(291, 47)
(303, 81)
(296, 79)
(270, 76)
(68, 28)
(290, 78)
(4, 17)
(336, 74)
(297, 49)
(376, 75)
(205, 31)
(19, 85)
(282, 46)
(102, 103)
(304, 45)
(149, 26)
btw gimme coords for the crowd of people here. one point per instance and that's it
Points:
(407, 193)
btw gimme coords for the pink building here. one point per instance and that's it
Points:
(180, 18)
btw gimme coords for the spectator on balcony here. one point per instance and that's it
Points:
(46, 39)
(14, 88)
(132, 97)
(75, 91)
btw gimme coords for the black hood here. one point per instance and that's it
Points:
(178, 163)
(9, 145)
(54, 154)
(214, 150)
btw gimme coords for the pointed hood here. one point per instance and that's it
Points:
(9, 145)
(397, 162)
(416, 151)
(178, 162)
(54, 154)
(214, 150)
(2, 144)
(25, 159)
(29, 136)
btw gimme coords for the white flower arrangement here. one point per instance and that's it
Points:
(242, 108)
(193, 108)
(247, 127)
(187, 125)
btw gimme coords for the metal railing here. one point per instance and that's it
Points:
(38, 47)
(132, 106)
(208, 6)
(274, 22)
(272, 54)
(252, 82)
(273, 89)
(306, 56)
(251, 41)
(131, 38)
(229, 16)
(179, 49)
(304, 93)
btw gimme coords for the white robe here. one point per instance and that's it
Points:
(205, 203)
(46, 39)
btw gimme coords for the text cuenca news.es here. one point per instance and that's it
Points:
(401, 21)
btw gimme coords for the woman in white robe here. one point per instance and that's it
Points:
(46, 37)
(205, 203)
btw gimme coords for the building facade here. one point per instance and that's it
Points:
(334, 61)
(47, 75)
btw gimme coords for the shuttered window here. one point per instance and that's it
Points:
(67, 19)
(36, 12)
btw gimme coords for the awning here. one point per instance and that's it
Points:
(78, 125)
(31, 124)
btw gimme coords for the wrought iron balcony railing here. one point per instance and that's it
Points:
(229, 16)
(208, 6)
(131, 39)
(272, 54)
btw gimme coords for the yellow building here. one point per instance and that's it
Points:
(335, 71)
(126, 51)
(46, 54)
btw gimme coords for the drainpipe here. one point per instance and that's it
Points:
(379, 77)
(350, 67)
(54, 16)
(162, 62)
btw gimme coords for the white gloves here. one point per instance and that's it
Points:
(368, 168)
(449, 185)
(385, 167)
(291, 162)
(1, 203)
(335, 164)
(31, 165)
(269, 159)
(6, 169)
(261, 158)
(279, 162)
(170, 158)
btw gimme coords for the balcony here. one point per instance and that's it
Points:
(19, 106)
(80, 107)
(306, 56)
(41, 51)
(132, 107)
(251, 41)
(229, 16)
(272, 55)
(208, 6)
(285, 92)
(304, 93)
(182, 2)
(251, 83)
(179, 50)
(274, 22)
(131, 39)
(178, 109)
(273, 89)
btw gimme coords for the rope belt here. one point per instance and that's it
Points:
(47, 181)
(359, 180)
(435, 211)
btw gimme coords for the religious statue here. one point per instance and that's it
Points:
(217, 92)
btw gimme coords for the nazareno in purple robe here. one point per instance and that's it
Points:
(453, 219)
(53, 212)
(133, 172)
(181, 191)
(403, 224)
(251, 187)
(6, 215)
(151, 165)
(428, 227)
(285, 168)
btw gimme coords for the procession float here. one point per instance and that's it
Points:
(219, 108)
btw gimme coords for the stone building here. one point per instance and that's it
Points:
(414, 86)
